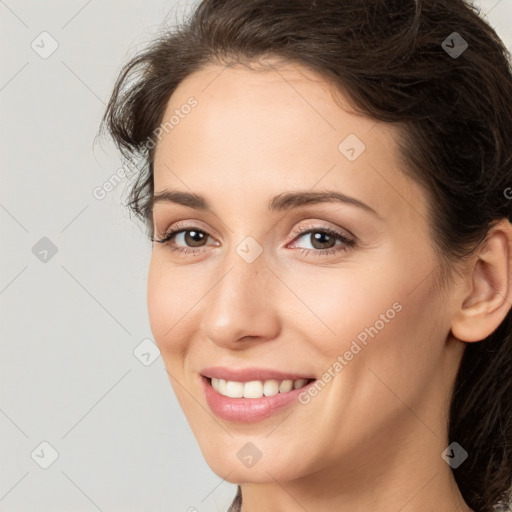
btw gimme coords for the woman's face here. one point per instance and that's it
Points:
(276, 277)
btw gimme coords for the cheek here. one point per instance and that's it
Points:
(384, 352)
(400, 353)
(347, 304)
(376, 319)
(169, 298)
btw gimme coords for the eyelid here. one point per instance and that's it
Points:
(317, 226)
(296, 231)
(348, 240)
(192, 225)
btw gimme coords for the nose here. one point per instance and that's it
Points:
(241, 306)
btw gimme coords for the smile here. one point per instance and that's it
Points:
(255, 388)
(251, 395)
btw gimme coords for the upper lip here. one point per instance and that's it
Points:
(249, 374)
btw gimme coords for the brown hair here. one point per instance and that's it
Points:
(395, 61)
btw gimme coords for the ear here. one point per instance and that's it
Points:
(489, 299)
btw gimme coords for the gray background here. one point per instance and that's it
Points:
(73, 371)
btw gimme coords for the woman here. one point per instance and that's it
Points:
(327, 191)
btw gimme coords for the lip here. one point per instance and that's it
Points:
(248, 410)
(248, 374)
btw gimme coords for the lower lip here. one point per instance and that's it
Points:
(248, 410)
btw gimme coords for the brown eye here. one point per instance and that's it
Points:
(322, 240)
(186, 237)
(194, 238)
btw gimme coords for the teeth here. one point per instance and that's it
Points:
(255, 388)
(221, 386)
(270, 387)
(234, 389)
(285, 386)
(299, 383)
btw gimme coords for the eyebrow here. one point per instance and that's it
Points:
(284, 201)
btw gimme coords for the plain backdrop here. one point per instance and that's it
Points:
(88, 419)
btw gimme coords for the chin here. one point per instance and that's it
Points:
(236, 470)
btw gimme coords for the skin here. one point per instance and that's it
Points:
(373, 436)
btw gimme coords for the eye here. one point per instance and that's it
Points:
(323, 241)
(190, 235)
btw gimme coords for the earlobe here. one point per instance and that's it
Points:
(489, 299)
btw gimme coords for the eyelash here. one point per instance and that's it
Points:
(179, 228)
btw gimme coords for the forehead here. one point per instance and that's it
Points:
(259, 131)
